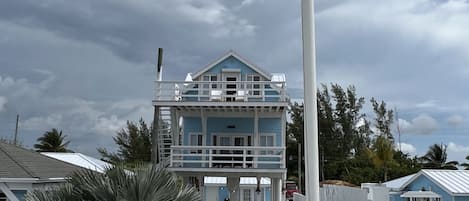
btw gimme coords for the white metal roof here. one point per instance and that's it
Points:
(78, 159)
(242, 180)
(420, 194)
(455, 182)
(399, 182)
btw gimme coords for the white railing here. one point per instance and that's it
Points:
(227, 157)
(263, 91)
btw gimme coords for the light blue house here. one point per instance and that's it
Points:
(431, 185)
(226, 120)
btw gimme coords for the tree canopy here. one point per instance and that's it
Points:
(351, 146)
(52, 141)
(145, 183)
(134, 145)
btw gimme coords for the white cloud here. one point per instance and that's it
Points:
(453, 147)
(423, 124)
(455, 120)
(427, 104)
(407, 148)
(3, 102)
(108, 126)
(42, 123)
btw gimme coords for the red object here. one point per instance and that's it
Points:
(291, 188)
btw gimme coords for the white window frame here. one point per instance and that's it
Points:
(254, 89)
(197, 134)
(273, 142)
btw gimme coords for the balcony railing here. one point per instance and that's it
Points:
(227, 157)
(261, 91)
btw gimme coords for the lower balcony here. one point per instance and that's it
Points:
(236, 157)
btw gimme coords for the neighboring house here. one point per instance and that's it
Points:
(226, 120)
(80, 160)
(431, 185)
(22, 170)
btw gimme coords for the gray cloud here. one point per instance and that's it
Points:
(423, 124)
(88, 66)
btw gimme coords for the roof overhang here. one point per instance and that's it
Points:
(420, 194)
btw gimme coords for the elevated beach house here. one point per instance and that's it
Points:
(226, 120)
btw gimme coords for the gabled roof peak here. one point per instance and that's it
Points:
(237, 56)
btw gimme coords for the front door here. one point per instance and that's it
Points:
(247, 194)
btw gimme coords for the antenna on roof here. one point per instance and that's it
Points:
(160, 64)
(16, 129)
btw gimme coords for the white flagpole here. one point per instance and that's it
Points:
(310, 102)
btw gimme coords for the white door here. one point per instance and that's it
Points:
(231, 88)
(247, 194)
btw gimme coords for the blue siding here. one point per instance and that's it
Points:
(223, 193)
(423, 182)
(191, 124)
(231, 63)
(243, 126)
(20, 194)
(272, 125)
(461, 198)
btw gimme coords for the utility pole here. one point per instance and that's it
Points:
(156, 115)
(310, 102)
(16, 129)
(398, 129)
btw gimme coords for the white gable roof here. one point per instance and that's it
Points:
(399, 182)
(237, 56)
(454, 182)
(81, 160)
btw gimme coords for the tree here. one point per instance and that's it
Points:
(436, 157)
(145, 183)
(383, 119)
(52, 141)
(382, 154)
(134, 145)
(466, 165)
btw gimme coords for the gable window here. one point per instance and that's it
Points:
(254, 89)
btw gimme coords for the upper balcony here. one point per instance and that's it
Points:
(216, 92)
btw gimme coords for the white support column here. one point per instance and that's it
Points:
(10, 195)
(256, 136)
(276, 189)
(310, 102)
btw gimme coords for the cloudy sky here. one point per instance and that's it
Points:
(86, 67)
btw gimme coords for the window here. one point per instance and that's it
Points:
(254, 88)
(267, 141)
(210, 78)
(196, 140)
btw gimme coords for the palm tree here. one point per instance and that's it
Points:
(382, 154)
(436, 157)
(145, 183)
(52, 141)
(466, 165)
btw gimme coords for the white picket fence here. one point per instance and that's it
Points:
(337, 193)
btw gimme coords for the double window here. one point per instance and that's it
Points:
(210, 78)
(196, 139)
(267, 141)
(254, 89)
